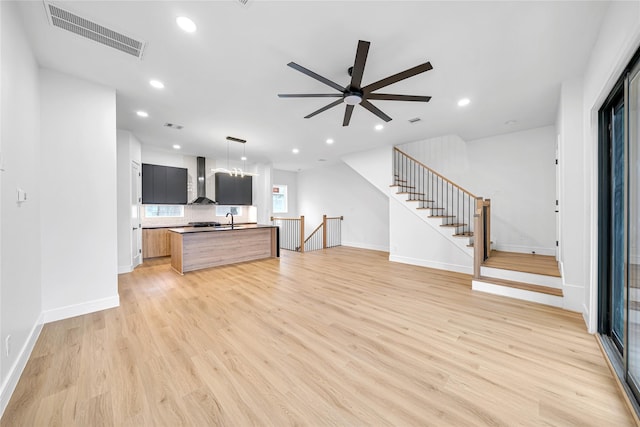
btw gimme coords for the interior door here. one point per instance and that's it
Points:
(136, 226)
(557, 205)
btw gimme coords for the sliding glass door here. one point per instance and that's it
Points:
(619, 226)
(633, 233)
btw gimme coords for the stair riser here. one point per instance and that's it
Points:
(521, 294)
(518, 276)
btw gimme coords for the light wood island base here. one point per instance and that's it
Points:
(197, 249)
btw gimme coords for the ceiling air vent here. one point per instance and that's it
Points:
(415, 120)
(69, 21)
(173, 126)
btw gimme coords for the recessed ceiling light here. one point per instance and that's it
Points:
(176, 147)
(186, 24)
(142, 113)
(463, 102)
(157, 84)
(295, 151)
(329, 141)
(243, 158)
(379, 127)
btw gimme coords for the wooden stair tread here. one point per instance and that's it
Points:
(422, 200)
(520, 285)
(410, 192)
(439, 216)
(401, 185)
(465, 234)
(453, 225)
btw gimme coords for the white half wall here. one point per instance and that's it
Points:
(338, 190)
(20, 232)
(79, 185)
(515, 170)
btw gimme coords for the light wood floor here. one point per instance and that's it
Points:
(334, 337)
(527, 263)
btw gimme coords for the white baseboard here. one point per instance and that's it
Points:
(525, 249)
(122, 269)
(14, 373)
(587, 318)
(80, 309)
(366, 246)
(573, 297)
(432, 264)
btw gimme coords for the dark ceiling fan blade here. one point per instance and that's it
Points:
(397, 77)
(390, 97)
(318, 77)
(358, 65)
(325, 108)
(310, 95)
(347, 115)
(369, 106)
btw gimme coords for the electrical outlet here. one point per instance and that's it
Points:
(7, 345)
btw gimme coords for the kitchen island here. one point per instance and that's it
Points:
(195, 248)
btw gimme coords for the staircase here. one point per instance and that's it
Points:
(464, 219)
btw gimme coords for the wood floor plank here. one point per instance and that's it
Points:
(527, 263)
(331, 337)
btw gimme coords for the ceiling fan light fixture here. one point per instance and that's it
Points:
(352, 99)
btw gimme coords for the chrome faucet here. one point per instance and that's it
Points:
(229, 213)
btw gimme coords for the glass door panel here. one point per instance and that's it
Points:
(633, 230)
(617, 224)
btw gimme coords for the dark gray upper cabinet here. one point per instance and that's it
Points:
(163, 185)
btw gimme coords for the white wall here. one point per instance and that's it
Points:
(128, 151)
(516, 171)
(375, 165)
(79, 215)
(412, 241)
(20, 233)
(290, 179)
(571, 197)
(338, 190)
(617, 41)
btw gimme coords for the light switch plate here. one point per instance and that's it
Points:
(22, 195)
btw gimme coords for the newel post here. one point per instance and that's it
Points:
(324, 231)
(301, 233)
(478, 238)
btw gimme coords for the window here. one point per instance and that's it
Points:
(279, 195)
(164, 211)
(224, 210)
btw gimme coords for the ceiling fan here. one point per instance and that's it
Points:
(354, 93)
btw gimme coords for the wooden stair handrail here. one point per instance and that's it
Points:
(435, 173)
(275, 218)
(313, 232)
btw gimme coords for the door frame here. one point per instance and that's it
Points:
(136, 223)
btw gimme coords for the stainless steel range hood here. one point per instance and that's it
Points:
(201, 185)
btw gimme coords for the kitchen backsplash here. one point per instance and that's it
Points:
(194, 213)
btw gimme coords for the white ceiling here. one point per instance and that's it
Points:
(509, 58)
